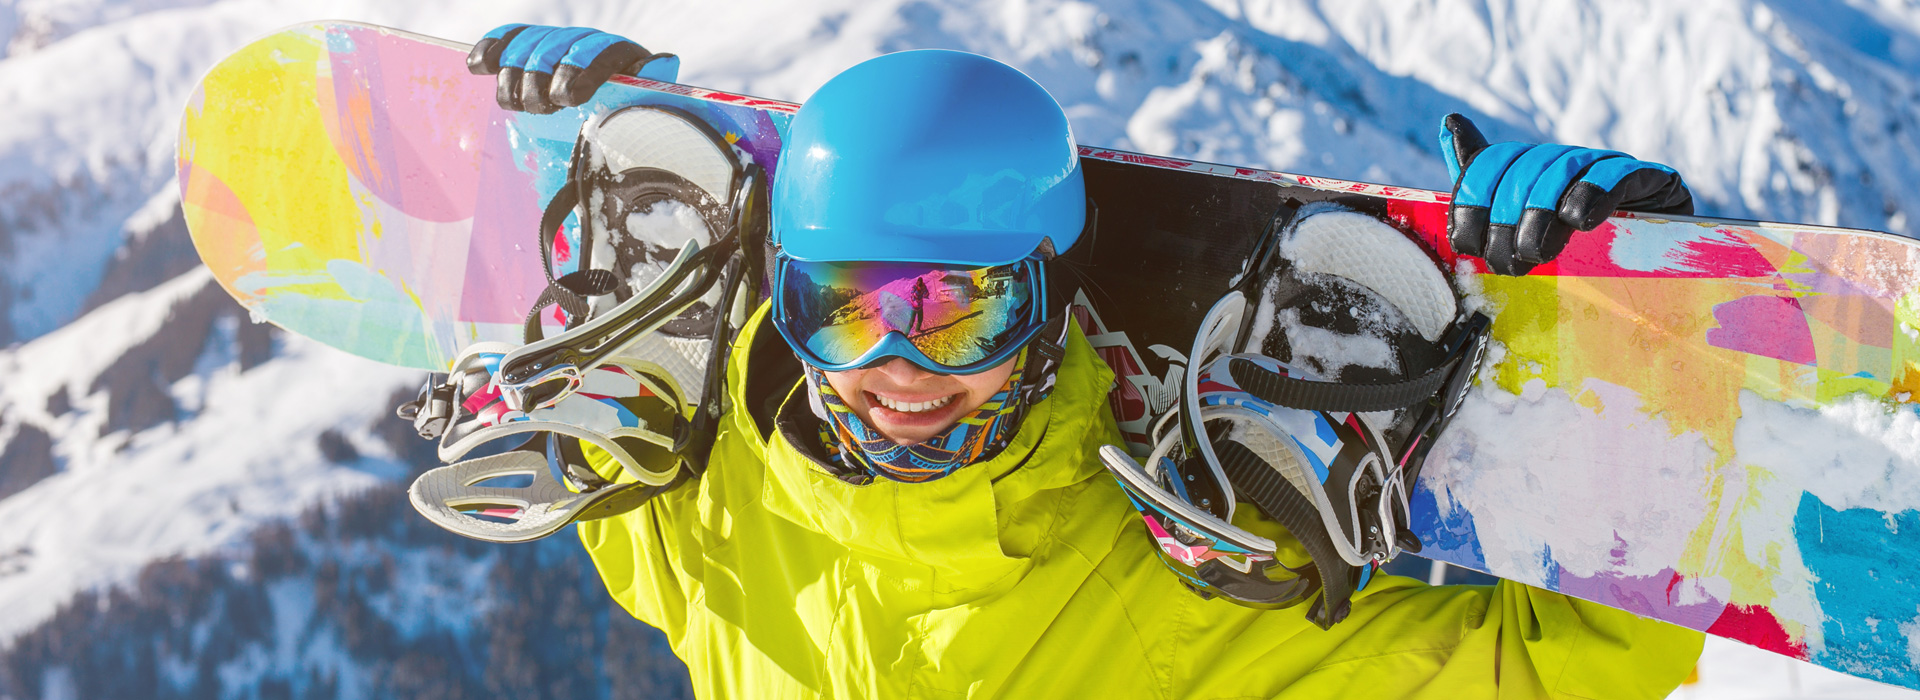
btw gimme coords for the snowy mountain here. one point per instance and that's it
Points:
(171, 471)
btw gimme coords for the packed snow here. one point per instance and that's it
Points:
(1775, 109)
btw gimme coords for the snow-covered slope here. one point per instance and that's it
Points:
(144, 418)
(229, 434)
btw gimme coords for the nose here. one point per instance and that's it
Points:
(902, 372)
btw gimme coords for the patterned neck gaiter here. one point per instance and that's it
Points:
(850, 442)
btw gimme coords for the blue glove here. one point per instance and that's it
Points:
(543, 69)
(1516, 204)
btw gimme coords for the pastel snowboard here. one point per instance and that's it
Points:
(1709, 422)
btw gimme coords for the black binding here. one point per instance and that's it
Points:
(1267, 488)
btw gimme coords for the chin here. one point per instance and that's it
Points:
(911, 437)
(910, 434)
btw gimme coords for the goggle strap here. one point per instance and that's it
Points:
(1081, 252)
(1049, 348)
(1267, 489)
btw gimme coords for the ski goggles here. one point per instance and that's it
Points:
(948, 320)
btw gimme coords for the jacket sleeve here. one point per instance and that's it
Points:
(1411, 641)
(1534, 643)
(636, 554)
(652, 558)
(1511, 641)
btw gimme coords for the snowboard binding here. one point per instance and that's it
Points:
(652, 256)
(1313, 391)
(620, 407)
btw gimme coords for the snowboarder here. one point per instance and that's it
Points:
(919, 306)
(910, 519)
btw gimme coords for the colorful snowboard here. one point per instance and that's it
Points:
(1712, 423)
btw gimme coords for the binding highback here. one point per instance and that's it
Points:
(651, 248)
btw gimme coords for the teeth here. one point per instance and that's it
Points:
(915, 407)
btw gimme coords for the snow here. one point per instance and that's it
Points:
(1729, 670)
(1829, 446)
(1336, 241)
(247, 456)
(662, 232)
(1849, 455)
(1484, 475)
(86, 347)
(1325, 352)
(1776, 109)
(1769, 437)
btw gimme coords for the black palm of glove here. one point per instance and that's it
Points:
(1516, 204)
(543, 69)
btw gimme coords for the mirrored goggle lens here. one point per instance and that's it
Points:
(955, 316)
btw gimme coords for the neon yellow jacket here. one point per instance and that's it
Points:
(1030, 576)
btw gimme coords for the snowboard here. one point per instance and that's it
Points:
(1709, 422)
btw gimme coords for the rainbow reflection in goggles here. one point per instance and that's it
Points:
(844, 315)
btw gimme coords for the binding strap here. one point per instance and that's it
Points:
(1361, 397)
(1268, 489)
(569, 291)
(1349, 397)
(561, 490)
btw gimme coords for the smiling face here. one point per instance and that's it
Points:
(908, 404)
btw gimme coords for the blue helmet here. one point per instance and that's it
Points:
(928, 156)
